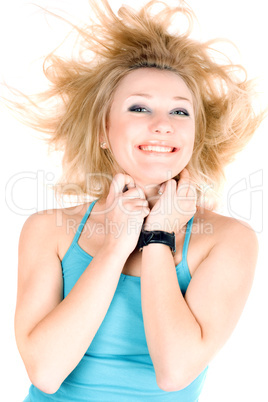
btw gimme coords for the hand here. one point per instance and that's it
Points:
(175, 207)
(125, 213)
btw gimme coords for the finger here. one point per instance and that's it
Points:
(128, 186)
(183, 183)
(137, 203)
(135, 192)
(119, 181)
(170, 186)
(136, 207)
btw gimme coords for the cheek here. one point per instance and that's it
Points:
(187, 132)
(116, 136)
(121, 133)
(113, 132)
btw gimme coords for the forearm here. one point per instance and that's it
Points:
(57, 344)
(173, 335)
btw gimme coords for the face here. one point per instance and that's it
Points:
(151, 126)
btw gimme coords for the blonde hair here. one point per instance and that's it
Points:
(119, 43)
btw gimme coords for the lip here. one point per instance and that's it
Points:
(157, 143)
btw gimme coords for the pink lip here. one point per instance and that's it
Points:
(160, 144)
(157, 143)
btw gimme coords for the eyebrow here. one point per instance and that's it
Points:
(149, 97)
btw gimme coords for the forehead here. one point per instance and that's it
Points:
(152, 81)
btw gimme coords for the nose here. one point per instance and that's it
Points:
(161, 125)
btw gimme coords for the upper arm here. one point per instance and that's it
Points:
(39, 274)
(220, 286)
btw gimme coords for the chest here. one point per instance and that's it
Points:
(92, 238)
(132, 265)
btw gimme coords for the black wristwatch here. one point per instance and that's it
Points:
(157, 236)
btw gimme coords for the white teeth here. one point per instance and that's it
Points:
(156, 148)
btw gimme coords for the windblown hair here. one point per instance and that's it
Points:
(109, 49)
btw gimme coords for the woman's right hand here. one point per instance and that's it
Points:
(124, 214)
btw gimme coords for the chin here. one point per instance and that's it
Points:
(151, 174)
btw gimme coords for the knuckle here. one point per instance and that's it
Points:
(134, 193)
(131, 191)
(170, 184)
(141, 193)
(118, 176)
(173, 183)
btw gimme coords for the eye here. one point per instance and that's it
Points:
(138, 109)
(180, 112)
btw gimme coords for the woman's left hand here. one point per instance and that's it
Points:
(175, 207)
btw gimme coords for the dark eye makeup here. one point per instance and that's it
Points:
(138, 109)
(142, 109)
(181, 112)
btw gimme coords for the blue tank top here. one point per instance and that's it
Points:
(117, 365)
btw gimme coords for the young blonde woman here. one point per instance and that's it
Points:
(130, 296)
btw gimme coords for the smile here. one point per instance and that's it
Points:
(157, 149)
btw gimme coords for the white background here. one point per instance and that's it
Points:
(238, 373)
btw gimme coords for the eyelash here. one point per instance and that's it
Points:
(135, 109)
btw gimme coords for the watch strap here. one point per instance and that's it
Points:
(157, 236)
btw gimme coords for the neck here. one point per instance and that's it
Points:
(151, 193)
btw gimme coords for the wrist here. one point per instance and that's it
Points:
(157, 237)
(115, 248)
(157, 248)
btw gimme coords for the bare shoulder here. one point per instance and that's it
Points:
(53, 225)
(228, 234)
(222, 227)
(212, 231)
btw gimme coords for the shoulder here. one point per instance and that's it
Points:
(230, 239)
(52, 224)
(218, 232)
(222, 227)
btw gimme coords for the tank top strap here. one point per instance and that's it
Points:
(83, 221)
(187, 239)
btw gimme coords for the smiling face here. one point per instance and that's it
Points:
(151, 125)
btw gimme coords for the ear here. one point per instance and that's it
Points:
(103, 142)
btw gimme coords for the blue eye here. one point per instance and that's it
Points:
(141, 109)
(138, 109)
(181, 112)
